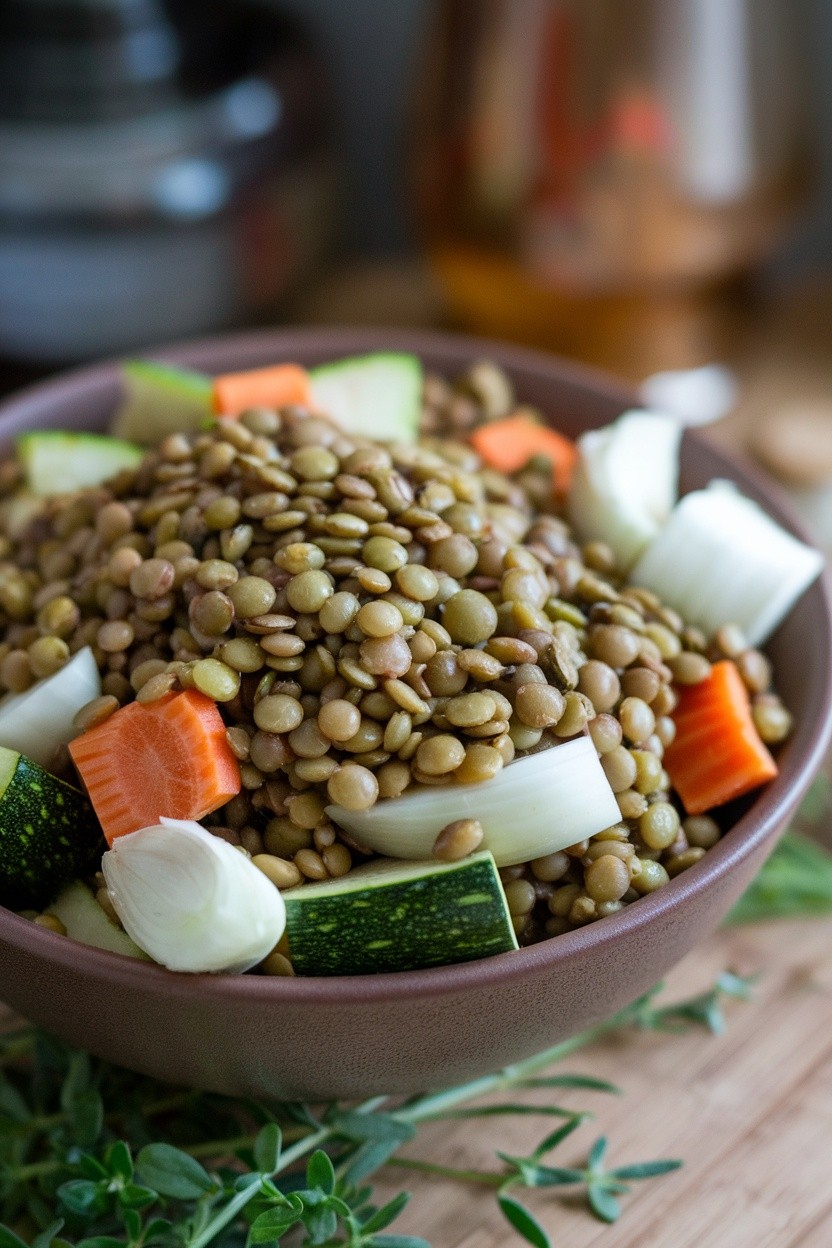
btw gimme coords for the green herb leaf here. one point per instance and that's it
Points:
(524, 1222)
(45, 1239)
(267, 1148)
(557, 1137)
(86, 1116)
(8, 1239)
(555, 1176)
(173, 1173)
(602, 1202)
(320, 1172)
(132, 1223)
(597, 1153)
(570, 1081)
(645, 1169)
(321, 1223)
(375, 1126)
(399, 1241)
(83, 1197)
(91, 1167)
(368, 1158)
(796, 880)
(160, 1231)
(12, 1105)
(119, 1161)
(270, 1225)
(388, 1213)
(76, 1081)
(509, 1107)
(134, 1196)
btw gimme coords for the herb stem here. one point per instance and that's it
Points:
(489, 1177)
(219, 1148)
(36, 1170)
(237, 1203)
(437, 1103)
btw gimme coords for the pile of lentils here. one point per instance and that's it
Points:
(369, 618)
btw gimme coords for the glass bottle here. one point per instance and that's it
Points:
(595, 176)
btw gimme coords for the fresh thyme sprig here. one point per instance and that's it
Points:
(796, 881)
(92, 1156)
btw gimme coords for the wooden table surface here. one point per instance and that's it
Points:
(749, 1112)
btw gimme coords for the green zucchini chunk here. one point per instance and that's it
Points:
(377, 396)
(397, 916)
(48, 833)
(160, 399)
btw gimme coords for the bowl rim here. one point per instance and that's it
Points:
(798, 762)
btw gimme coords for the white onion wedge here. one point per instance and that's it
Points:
(191, 900)
(37, 722)
(625, 482)
(535, 806)
(695, 396)
(721, 559)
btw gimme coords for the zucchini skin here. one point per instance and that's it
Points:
(48, 835)
(455, 916)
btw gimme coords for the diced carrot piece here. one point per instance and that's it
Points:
(717, 753)
(168, 757)
(509, 444)
(277, 386)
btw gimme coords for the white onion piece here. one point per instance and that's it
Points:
(535, 806)
(625, 482)
(191, 900)
(695, 396)
(720, 558)
(37, 722)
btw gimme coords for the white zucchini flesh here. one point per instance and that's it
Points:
(535, 806)
(160, 399)
(377, 396)
(37, 722)
(58, 463)
(626, 482)
(721, 559)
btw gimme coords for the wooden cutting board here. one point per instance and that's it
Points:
(749, 1112)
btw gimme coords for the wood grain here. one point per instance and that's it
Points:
(749, 1112)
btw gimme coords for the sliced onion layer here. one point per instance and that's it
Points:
(535, 806)
(37, 722)
(721, 559)
(625, 482)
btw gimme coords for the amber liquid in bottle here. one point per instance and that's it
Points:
(597, 176)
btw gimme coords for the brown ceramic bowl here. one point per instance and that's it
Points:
(350, 1037)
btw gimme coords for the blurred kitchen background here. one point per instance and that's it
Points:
(639, 184)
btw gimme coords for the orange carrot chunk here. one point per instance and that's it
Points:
(717, 753)
(509, 444)
(168, 757)
(277, 386)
